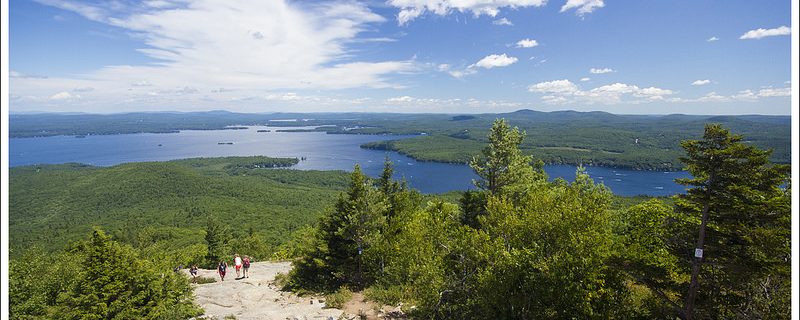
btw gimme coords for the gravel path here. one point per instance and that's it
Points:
(256, 297)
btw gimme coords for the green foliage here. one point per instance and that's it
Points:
(473, 205)
(338, 298)
(748, 214)
(503, 165)
(436, 148)
(346, 236)
(593, 138)
(36, 279)
(217, 236)
(204, 280)
(645, 238)
(167, 204)
(524, 248)
(99, 279)
(521, 248)
(550, 255)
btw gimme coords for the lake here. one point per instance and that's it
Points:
(321, 151)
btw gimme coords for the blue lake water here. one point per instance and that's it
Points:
(322, 152)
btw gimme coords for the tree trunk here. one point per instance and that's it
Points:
(696, 264)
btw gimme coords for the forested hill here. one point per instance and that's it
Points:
(52, 205)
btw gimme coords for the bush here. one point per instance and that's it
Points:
(281, 280)
(100, 279)
(338, 298)
(204, 280)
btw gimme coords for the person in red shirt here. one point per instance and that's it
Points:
(237, 263)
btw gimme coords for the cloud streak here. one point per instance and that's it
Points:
(763, 33)
(412, 9)
(601, 70)
(582, 7)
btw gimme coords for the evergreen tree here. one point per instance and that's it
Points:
(503, 168)
(114, 283)
(385, 182)
(502, 163)
(743, 220)
(549, 255)
(343, 255)
(217, 235)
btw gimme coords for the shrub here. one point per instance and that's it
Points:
(338, 298)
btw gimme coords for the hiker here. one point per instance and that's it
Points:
(237, 263)
(193, 272)
(246, 266)
(221, 268)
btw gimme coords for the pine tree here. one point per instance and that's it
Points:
(217, 235)
(114, 283)
(743, 231)
(502, 167)
(349, 231)
(502, 163)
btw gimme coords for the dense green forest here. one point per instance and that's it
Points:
(519, 247)
(524, 248)
(53, 205)
(644, 142)
(591, 138)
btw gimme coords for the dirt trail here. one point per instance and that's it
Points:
(256, 297)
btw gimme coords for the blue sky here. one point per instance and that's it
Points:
(630, 57)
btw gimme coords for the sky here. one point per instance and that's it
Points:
(438, 56)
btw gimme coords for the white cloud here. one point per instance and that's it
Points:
(246, 46)
(761, 33)
(411, 9)
(554, 87)
(712, 39)
(458, 74)
(90, 12)
(584, 79)
(502, 22)
(743, 96)
(64, 95)
(15, 74)
(286, 96)
(582, 6)
(454, 104)
(495, 60)
(709, 97)
(565, 92)
(778, 92)
(402, 99)
(701, 82)
(527, 43)
(653, 91)
(443, 67)
(601, 71)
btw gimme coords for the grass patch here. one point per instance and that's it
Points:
(338, 298)
(204, 280)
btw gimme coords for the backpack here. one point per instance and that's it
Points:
(247, 262)
(222, 268)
